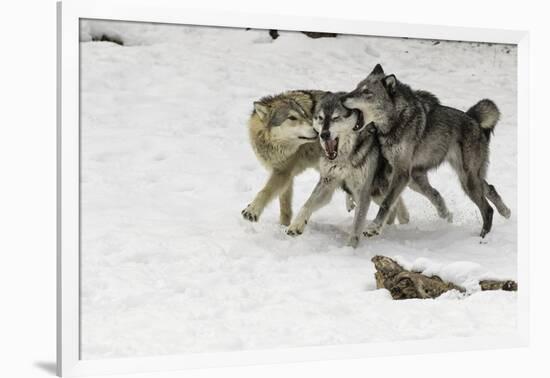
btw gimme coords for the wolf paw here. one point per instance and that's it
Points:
(296, 228)
(285, 219)
(372, 230)
(353, 241)
(251, 213)
(484, 233)
(505, 212)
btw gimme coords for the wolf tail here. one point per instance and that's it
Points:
(486, 113)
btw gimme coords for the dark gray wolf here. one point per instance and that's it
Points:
(351, 160)
(283, 139)
(417, 134)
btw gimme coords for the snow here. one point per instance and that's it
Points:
(168, 264)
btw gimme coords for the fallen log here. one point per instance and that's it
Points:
(406, 284)
(498, 285)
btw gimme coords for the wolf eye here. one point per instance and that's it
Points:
(292, 118)
(320, 118)
(336, 118)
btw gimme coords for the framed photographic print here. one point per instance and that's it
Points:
(255, 188)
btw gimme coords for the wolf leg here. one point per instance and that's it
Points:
(399, 181)
(359, 217)
(492, 195)
(402, 211)
(285, 203)
(391, 218)
(276, 183)
(320, 196)
(364, 203)
(470, 167)
(474, 188)
(420, 183)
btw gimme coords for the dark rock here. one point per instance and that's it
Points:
(274, 33)
(108, 38)
(316, 35)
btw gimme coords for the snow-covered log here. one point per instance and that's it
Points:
(405, 284)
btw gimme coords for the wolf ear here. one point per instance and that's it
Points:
(261, 109)
(378, 70)
(390, 83)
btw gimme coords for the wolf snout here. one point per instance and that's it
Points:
(347, 98)
(325, 135)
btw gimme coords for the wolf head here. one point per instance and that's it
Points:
(334, 122)
(287, 117)
(374, 97)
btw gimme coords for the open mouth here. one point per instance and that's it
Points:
(331, 148)
(360, 120)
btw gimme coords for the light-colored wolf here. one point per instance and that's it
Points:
(283, 139)
(417, 134)
(351, 160)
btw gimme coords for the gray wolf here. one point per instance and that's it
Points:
(417, 134)
(351, 160)
(283, 139)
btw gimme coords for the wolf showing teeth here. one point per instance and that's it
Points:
(283, 139)
(351, 160)
(417, 134)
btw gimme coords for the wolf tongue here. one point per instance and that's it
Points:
(330, 146)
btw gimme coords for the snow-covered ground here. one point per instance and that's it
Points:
(168, 264)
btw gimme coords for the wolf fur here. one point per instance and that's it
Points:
(417, 134)
(351, 160)
(283, 139)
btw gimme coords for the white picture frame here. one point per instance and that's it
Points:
(172, 11)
